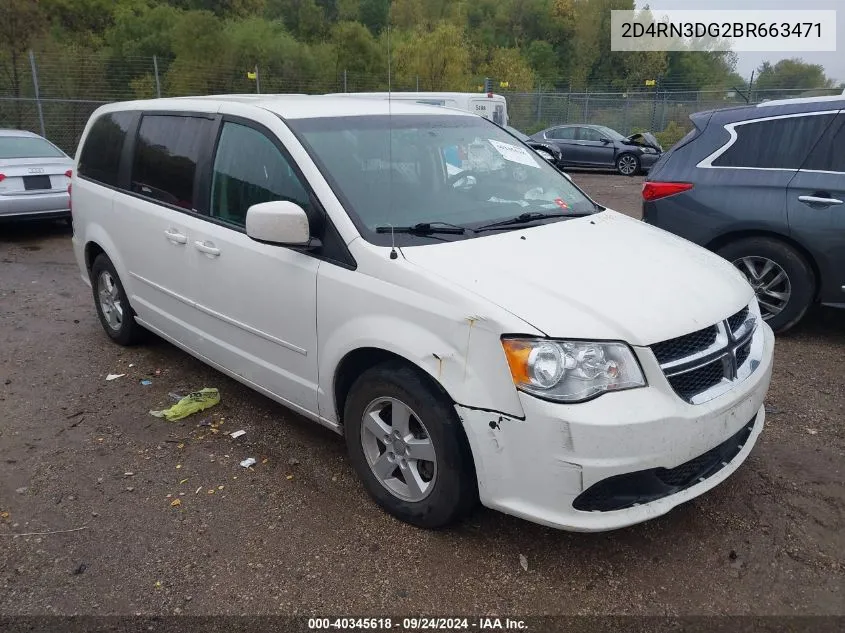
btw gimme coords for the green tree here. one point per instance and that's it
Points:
(356, 50)
(20, 24)
(791, 74)
(543, 59)
(348, 10)
(374, 14)
(508, 65)
(439, 58)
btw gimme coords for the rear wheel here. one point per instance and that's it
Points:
(407, 446)
(113, 309)
(782, 279)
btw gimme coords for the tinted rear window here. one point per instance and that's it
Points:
(166, 155)
(829, 152)
(776, 143)
(28, 147)
(100, 157)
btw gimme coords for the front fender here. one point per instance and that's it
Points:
(465, 357)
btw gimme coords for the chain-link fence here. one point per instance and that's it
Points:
(54, 93)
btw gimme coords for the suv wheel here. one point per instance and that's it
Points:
(628, 164)
(116, 315)
(781, 278)
(407, 446)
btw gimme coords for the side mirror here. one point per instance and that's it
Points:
(605, 140)
(278, 222)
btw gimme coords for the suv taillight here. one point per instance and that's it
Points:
(2, 177)
(658, 190)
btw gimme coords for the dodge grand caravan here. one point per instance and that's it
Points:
(485, 331)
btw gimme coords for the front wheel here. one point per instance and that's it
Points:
(627, 164)
(408, 448)
(782, 279)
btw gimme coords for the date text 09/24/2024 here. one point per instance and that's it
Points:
(418, 624)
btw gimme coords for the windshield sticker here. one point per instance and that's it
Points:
(514, 154)
(521, 203)
(561, 203)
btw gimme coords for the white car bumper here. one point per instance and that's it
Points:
(536, 468)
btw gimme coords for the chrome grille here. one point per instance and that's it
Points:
(736, 320)
(697, 363)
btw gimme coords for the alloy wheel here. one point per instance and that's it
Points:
(110, 303)
(398, 449)
(770, 283)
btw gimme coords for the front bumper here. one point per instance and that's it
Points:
(35, 205)
(536, 468)
(647, 161)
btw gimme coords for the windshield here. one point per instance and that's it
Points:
(28, 147)
(613, 135)
(410, 169)
(517, 133)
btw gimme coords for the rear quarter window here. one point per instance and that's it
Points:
(166, 155)
(100, 156)
(829, 152)
(775, 143)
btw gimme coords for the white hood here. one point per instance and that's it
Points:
(605, 276)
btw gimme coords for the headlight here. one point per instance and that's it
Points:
(571, 371)
(648, 150)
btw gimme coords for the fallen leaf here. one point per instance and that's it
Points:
(175, 503)
(523, 562)
(4, 515)
(182, 481)
(265, 460)
(211, 491)
(180, 445)
(289, 477)
(158, 584)
(178, 466)
(812, 431)
(220, 487)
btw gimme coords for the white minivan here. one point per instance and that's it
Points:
(418, 280)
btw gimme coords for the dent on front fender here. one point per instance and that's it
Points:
(457, 347)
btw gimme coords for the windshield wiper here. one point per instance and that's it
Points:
(424, 228)
(522, 218)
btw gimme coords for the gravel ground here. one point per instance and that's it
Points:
(297, 534)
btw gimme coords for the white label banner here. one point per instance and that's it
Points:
(767, 30)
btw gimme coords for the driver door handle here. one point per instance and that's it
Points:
(819, 200)
(176, 237)
(208, 248)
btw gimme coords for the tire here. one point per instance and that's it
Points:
(625, 162)
(116, 315)
(450, 482)
(751, 255)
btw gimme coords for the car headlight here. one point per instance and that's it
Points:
(571, 371)
(648, 150)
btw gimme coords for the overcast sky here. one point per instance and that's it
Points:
(834, 63)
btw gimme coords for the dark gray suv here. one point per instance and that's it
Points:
(764, 187)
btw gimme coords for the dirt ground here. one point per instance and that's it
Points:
(297, 534)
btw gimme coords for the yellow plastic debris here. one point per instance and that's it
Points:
(192, 403)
